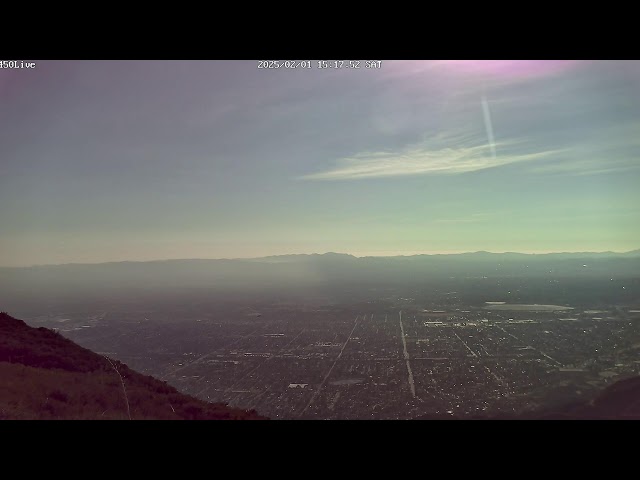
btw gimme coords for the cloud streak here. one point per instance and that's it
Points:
(422, 160)
(611, 150)
(489, 126)
(588, 167)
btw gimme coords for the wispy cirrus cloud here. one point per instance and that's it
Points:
(594, 166)
(423, 159)
(610, 150)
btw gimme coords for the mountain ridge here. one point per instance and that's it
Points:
(336, 255)
(295, 274)
(618, 401)
(47, 376)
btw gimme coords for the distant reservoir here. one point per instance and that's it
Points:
(525, 308)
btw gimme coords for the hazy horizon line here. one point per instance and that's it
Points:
(415, 254)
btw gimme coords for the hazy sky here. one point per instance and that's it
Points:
(139, 160)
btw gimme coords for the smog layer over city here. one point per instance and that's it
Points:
(332, 239)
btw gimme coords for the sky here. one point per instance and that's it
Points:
(143, 160)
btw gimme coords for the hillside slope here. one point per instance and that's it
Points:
(46, 376)
(619, 401)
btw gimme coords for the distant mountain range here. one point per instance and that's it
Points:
(46, 376)
(333, 256)
(279, 273)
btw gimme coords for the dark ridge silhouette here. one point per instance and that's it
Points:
(619, 401)
(46, 376)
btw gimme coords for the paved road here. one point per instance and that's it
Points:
(412, 385)
(324, 380)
